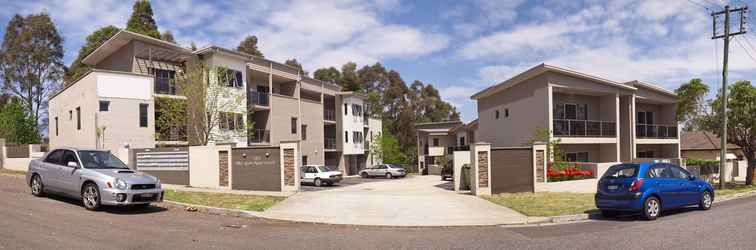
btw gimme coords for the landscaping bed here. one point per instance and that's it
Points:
(232, 201)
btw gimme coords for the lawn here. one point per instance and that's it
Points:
(233, 201)
(546, 203)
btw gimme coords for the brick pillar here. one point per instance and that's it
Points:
(223, 168)
(290, 166)
(480, 160)
(289, 159)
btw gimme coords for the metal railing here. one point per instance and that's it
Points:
(655, 131)
(258, 135)
(329, 115)
(258, 98)
(330, 143)
(584, 128)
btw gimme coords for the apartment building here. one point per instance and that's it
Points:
(439, 139)
(263, 103)
(595, 119)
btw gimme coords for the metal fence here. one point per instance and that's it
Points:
(17, 150)
(583, 128)
(655, 131)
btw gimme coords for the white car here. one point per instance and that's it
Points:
(319, 175)
(384, 170)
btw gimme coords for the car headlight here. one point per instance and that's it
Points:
(121, 184)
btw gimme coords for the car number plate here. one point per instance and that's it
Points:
(612, 187)
(147, 195)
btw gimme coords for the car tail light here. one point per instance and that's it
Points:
(636, 185)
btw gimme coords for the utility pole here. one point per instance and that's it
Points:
(726, 36)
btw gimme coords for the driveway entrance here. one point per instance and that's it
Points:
(410, 201)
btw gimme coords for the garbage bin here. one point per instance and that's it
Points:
(465, 177)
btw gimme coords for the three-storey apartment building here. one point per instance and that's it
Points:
(595, 119)
(263, 103)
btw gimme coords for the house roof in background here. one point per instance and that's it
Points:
(122, 38)
(702, 140)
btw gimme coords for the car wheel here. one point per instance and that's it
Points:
(37, 187)
(651, 208)
(364, 175)
(706, 201)
(318, 183)
(389, 176)
(90, 196)
(608, 213)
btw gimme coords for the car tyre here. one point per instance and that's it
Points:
(706, 201)
(318, 183)
(652, 208)
(609, 213)
(389, 176)
(90, 196)
(37, 187)
(364, 175)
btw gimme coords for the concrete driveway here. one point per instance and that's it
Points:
(411, 201)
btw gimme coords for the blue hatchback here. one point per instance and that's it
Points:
(650, 188)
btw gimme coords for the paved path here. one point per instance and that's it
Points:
(410, 201)
(27, 222)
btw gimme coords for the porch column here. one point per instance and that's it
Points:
(618, 127)
(480, 159)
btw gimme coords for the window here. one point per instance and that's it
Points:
(356, 137)
(222, 120)
(54, 157)
(293, 125)
(622, 171)
(143, 107)
(304, 160)
(346, 136)
(230, 78)
(462, 141)
(68, 156)
(577, 157)
(346, 106)
(570, 111)
(645, 117)
(165, 80)
(56, 126)
(677, 172)
(645, 154)
(356, 110)
(78, 118)
(70, 115)
(104, 106)
(435, 142)
(231, 120)
(497, 115)
(658, 171)
(506, 112)
(304, 132)
(240, 122)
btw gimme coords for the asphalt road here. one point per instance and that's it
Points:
(27, 222)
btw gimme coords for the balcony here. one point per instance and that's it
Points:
(259, 135)
(258, 98)
(584, 128)
(329, 115)
(655, 131)
(330, 143)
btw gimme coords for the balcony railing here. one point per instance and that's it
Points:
(329, 115)
(258, 135)
(258, 98)
(656, 131)
(330, 143)
(583, 128)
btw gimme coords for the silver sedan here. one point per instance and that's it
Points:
(94, 176)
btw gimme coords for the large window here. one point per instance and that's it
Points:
(143, 108)
(435, 142)
(230, 78)
(231, 121)
(356, 110)
(356, 137)
(645, 117)
(577, 157)
(570, 111)
(165, 80)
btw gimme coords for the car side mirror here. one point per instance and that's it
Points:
(73, 164)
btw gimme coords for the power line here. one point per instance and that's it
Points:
(744, 48)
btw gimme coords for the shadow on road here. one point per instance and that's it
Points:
(122, 210)
(595, 214)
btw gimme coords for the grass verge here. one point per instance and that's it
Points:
(233, 201)
(9, 172)
(546, 203)
(733, 188)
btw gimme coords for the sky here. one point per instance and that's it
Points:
(460, 47)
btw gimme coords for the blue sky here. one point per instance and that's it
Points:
(459, 46)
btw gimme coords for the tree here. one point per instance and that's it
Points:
(93, 41)
(141, 20)
(193, 46)
(350, 80)
(691, 104)
(293, 62)
(31, 61)
(249, 46)
(167, 36)
(741, 127)
(16, 125)
(329, 74)
(386, 147)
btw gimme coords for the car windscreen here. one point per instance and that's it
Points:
(324, 168)
(100, 160)
(622, 171)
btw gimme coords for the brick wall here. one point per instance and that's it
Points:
(223, 168)
(539, 166)
(483, 169)
(289, 177)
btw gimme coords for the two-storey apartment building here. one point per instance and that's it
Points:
(438, 139)
(595, 119)
(263, 103)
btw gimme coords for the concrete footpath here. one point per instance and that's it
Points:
(411, 201)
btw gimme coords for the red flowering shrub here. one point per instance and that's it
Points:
(563, 171)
